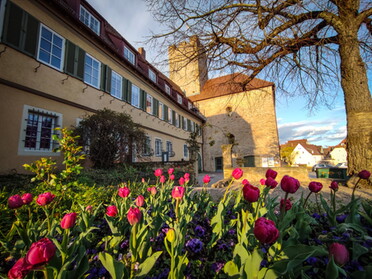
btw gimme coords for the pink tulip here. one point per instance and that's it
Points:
(68, 221)
(237, 173)
(15, 202)
(206, 179)
(45, 198)
(140, 201)
(89, 208)
(134, 215)
(170, 171)
(124, 192)
(178, 192)
(162, 179)
(339, 252)
(20, 269)
(158, 172)
(172, 177)
(111, 211)
(245, 181)
(186, 175)
(262, 181)
(27, 198)
(41, 252)
(181, 181)
(152, 190)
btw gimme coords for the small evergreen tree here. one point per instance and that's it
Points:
(109, 137)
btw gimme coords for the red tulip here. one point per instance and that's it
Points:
(237, 173)
(134, 215)
(265, 230)
(271, 182)
(158, 172)
(251, 193)
(364, 174)
(20, 269)
(162, 179)
(15, 202)
(245, 181)
(286, 204)
(170, 171)
(124, 192)
(172, 177)
(271, 173)
(339, 252)
(68, 221)
(206, 179)
(289, 184)
(181, 181)
(27, 198)
(315, 187)
(140, 201)
(262, 181)
(111, 211)
(178, 192)
(41, 252)
(334, 185)
(45, 198)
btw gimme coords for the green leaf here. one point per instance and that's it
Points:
(358, 250)
(231, 269)
(116, 269)
(332, 269)
(147, 265)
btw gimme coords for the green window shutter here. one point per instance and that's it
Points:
(173, 117)
(179, 121)
(127, 90)
(108, 79)
(143, 96)
(13, 25)
(189, 125)
(103, 77)
(165, 113)
(80, 62)
(155, 107)
(74, 60)
(182, 122)
(31, 35)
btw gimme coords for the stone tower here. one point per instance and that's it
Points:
(188, 66)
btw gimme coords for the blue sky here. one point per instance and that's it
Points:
(323, 126)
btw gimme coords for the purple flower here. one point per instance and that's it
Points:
(194, 245)
(341, 218)
(217, 266)
(199, 231)
(125, 244)
(311, 260)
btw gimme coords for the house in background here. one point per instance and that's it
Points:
(304, 153)
(338, 154)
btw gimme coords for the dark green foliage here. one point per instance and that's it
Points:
(109, 137)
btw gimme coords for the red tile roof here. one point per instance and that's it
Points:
(229, 84)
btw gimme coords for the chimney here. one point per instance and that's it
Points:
(142, 51)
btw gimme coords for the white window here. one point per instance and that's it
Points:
(179, 99)
(135, 96)
(116, 85)
(92, 71)
(177, 120)
(170, 115)
(129, 55)
(51, 48)
(167, 89)
(149, 101)
(152, 75)
(161, 111)
(37, 129)
(190, 105)
(169, 149)
(185, 151)
(158, 147)
(89, 20)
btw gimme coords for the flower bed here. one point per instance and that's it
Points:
(162, 231)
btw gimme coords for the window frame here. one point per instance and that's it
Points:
(185, 151)
(129, 55)
(61, 58)
(149, 104)
(169, 148)
(170, 116)
(135, 93)
(179, 99)
(161, 111)
(91, 18)
(99, 71)
(167, 89)
(152, 75)
(119, 87)
(156, 153)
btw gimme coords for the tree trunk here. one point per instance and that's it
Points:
(358, 101)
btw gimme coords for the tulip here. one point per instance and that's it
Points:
(162, 179)
(181, 181)
(172, 177)
(158, 172)
(339, 252)
(186, 176)
(170, 171)
(111, 211)
(251, 193)
(170, 235)
(237, 173)
(334, 186)
(289, 184)
(286, 204)
(68, 221)
(265, 231)
(124, 192)
(245, 181)
(178, 192)
(27, 198)
(364, 174)
(262, 181)
(20, 269)
(134, 215)
(271, 182)
(140, 201)
(15, 202)
(315, 187)
(152, 190)
(206, 179)
(41, 252)
(271, 173)
(45, 198)
(89, 208)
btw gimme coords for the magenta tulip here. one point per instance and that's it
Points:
(178, 192)
(68, 221)
(27, 198)
(315, 187)
(271, 173)
(334, 185)
(41, 252)
(265, 230)
(251, 193)
(289, 184)
(20, 269)
(339, 252)
(111, 211)
(134, 215)
(364, 174)
(45, 198)
(181, 181)
(158, 172)
(271, 182)
(237, 173)
(206, 179)
(162, 179)
(170, 171)
(124, 192)
(15, 202)
(172, 177)
(286, 204)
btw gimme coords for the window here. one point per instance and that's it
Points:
(149, 102)
(135, 96)
(161, 111)
(89, 20)
(158, 147)
(147, 147)
(116, 85)
(185, 123)
(170, 115)
(92, 71)
(185, 151)
(51, 48)
(129, 55)
(170, 149)
(179, 99)
(167, 89)
(152, 75)
(177, 120)
(189, 105)
(37, 130)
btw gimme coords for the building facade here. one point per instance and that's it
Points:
(237, 111)
(61, 61)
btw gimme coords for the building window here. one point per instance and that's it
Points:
(116, 85)
(37, 130)
(177, 120)
(92, 71)
(149, 101)
(179, 99)
(185, 151)
(152, 75)
(89, 20)
(135, 96)
(167, 89)
(147, 147)
(161, 111)
(189, 105)
(170, 149)
(158, 147)
(129, 55)
(51, 48)
(170, 115)
(185, 123)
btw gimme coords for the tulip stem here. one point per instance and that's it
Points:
(134, 252)
(282, 209)
(356, 184)
(306, 199)
(227, 190)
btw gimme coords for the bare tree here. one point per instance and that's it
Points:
(310, 47)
